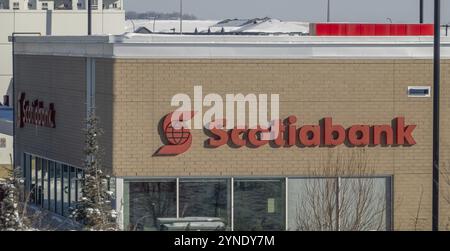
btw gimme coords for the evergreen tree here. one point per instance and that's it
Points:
(10, 218)
(94, 210)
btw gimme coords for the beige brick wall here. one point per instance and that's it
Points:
(133, 96)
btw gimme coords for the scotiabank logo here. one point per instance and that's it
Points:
(34, 113)
(285, 134)
(178, 137)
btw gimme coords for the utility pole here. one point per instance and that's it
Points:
(421, 12)
(436, 104)
(328, 11)
(181, 17)
(89, 9)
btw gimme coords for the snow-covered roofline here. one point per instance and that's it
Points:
(133, 45)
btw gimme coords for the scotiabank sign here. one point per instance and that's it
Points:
(327, 133)
(35, 113)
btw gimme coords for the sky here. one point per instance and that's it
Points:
(399, 11)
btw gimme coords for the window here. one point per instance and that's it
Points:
(148, 201)
(206, 199)
(259, 205)
(45, 190)
(115, 5)
(58, 188)
(312, 204)
(51, 186)
(73, 186)
(80, 183)
(362, 204)
(33, 180)
(16, 6)
(368, 203)
(44, 6)
(419, 91)
(65, 189)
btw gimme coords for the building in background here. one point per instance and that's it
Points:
(49, 17)
(382, 84)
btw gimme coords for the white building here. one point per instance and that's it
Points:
(49, 17)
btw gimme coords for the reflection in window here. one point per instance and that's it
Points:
(366, 203)
(65, 189)
(39, 193)
(148, 201)
(343, 204)
(312, 204)
(45, 189)
(51, 185)
(58, 186)
(80, 183)
(33, 180)
(259, 205)
(206, 198)
(73, 186)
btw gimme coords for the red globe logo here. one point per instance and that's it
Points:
(178, 135)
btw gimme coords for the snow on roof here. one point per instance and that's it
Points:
(168, 26)
(215, 46)
(275, 26)
(256, 25)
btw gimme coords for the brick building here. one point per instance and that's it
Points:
(131, 80)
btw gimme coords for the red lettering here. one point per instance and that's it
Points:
(304, 133)
(220, 137)
(236, 138)
(359, 140)
(379, 130)
(291, 130)
(404, 133)
(253, 137)
(35, 114)
(279, 140)
(330, 130)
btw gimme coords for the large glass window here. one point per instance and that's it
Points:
(206, 200)
(312, 204)
(50, 184)
(259, 205)
(364, 204)
(339, 204)
(149, 201)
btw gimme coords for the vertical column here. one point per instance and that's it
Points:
(286, 203)
(119, 202)
(178, 197)
(232, 204)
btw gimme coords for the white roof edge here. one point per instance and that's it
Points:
(231, 47)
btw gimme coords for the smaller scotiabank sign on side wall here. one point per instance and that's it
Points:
(35, 113)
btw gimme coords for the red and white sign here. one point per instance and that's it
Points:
(35, 113)
(325, 134)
